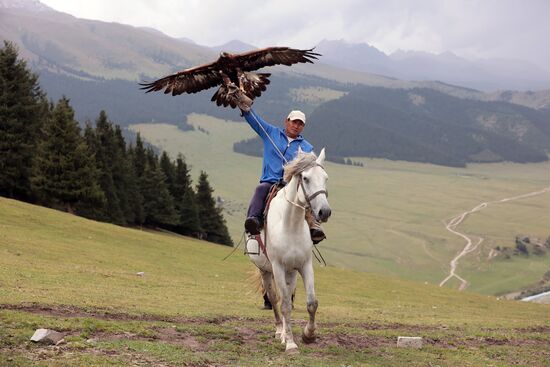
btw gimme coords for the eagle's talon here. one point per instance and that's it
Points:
(232, 88)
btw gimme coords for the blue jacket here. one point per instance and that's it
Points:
(272, 170)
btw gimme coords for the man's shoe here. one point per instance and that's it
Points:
(317, 235)
(252, 225)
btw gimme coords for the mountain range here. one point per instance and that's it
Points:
(97, 64)
(486, 75)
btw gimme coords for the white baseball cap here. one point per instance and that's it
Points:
(297, 115)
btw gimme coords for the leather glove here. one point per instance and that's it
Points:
(239, 98)
(243, 101)
(235, 97)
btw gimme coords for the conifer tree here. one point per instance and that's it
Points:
(139, 156)
(92, 210)
(136, 197)
(212, 221)
(182, 179)
(108, 158)
(126, 182)
(158, 204)
(189, 221)
(168, 169)
(65, 167)
(151, 157)
(23, 109)
(185, 200)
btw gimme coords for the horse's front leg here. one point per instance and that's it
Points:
(306, 272)
(285, 292)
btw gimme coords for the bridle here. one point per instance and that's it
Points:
(307, 197)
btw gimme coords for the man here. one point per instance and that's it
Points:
(277, 142)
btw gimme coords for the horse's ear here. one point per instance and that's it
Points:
(321, 158)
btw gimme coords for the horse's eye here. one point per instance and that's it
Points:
(306, 180)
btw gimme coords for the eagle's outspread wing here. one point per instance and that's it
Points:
(253, 84)
(232, 73)
(191, 80)
(270, 56)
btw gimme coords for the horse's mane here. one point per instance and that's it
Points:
(302, 162)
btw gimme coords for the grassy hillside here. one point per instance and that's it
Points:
(539, 99)
(84, 48)
(388, 216)
(426, 126)
(190, 308)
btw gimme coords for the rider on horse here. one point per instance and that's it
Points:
(277, 143)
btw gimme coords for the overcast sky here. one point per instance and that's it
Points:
(512, 29)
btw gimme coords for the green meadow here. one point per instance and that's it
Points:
(389, 216)
(190, 308)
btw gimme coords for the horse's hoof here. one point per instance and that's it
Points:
(309, 339)
(292, 351)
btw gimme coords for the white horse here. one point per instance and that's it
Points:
(288, 242)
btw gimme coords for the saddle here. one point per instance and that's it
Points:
(275, 188)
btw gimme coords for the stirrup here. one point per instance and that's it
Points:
(252, 251)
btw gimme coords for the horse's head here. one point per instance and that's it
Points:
(314, 188)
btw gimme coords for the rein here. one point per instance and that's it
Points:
(308, 198)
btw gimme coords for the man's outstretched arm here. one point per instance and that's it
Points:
(258, 124)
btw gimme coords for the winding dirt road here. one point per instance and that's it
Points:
(471, 244)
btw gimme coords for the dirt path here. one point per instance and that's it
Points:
(96, 336)
(472, 242)
(200, 334)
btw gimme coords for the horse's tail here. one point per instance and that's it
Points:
(257, 282)
(255, 279)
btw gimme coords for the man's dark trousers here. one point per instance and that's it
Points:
(256, 207)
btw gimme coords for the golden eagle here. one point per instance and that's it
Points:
(231, 72)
